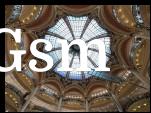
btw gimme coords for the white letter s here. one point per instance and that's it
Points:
(41, 55)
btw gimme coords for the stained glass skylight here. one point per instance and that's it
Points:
(71, 28)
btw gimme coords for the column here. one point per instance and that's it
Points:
(86, 105)
(115, 100)
(60, 103)
(29, 99)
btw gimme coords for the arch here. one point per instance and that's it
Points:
(56, 83)
(106, 16)
(14, 95)
(45, 19)
(74, 87)
(96, 84)
(77, 9)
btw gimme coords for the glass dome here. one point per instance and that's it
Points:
(71, 28)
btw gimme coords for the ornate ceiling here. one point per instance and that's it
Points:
(128, 27)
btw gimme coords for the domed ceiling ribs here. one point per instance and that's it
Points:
(125, 31)
(15, 11)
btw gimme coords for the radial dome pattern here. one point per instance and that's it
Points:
(71, 28)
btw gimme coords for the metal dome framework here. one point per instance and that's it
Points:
(71, 28)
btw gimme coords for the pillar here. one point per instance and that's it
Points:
(29, 99)
(86, 105)
(115, 100)
(60, 103)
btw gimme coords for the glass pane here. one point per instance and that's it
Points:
(77, 25)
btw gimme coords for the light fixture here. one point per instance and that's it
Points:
(14, 99)
(132, 24)
(123, 16)
(10, 95)
(139, 106)
(144, 104)
(28, 18)
(32, 14)
(134, 109)
(126, 21)
(137, 54)
(6, 93)
(119, 10)
(35, 8)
